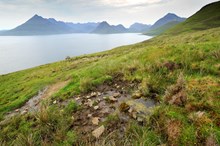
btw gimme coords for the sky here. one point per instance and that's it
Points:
(126, 12)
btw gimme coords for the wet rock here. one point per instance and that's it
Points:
(136, 95)
(96, 107)
(95, 121)
(98, 132)
(124, 107)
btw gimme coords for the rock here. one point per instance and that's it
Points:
(72, 118)
(130, 110)
(98, 132)
(93, 94)
(95, 121)
(116, 94)
(89, 115)
(124, 107)
(104, 97)
(139, 119)
(134, 115)
(17, 110)
(24, 112)
(88, 96)
(99, 94)
(136, 95)
(54, 102)
(117, 87)
(96, 107)
(78, 98)
(112, 99)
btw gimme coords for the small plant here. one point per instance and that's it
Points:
(71, 107)
(86, 84)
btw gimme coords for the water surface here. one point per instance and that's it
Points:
(22, 52)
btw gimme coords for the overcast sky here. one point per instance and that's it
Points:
(126, 12)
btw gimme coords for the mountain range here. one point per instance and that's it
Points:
(38, 25)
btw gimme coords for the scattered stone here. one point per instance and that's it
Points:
(116, 95)
(96, 107)
(95, 121)
(89, 115)
(134, 115)
(24, 112)
(54, 102)
(117, 87)
(136, 95)
(99, 94)
(112, 99)
(88, 96)
(139, 119)
(72, 118)
(93, 94)
(78, 98)
(17, 110)
(98, 132)
(124, 107)
(130, 110)
(104, 97)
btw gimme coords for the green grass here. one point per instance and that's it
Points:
(195, 52)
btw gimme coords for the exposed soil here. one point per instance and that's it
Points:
(97, 106)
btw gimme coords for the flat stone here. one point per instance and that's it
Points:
(116, 94)
(95, 121)
(96, 107)
(98, 132)
(111, 98)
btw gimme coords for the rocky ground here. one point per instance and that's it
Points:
(108, 108)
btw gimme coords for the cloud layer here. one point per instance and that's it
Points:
(15, 12)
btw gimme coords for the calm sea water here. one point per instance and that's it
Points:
(22, 52)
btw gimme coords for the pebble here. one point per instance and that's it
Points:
(98, 132)
(96, 107)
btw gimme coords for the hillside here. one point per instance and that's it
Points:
(161, 29)
(163, 91)
(208, 17)
(105, 28)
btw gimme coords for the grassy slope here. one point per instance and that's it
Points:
(207, 17)
(198, 54)
(161, 29)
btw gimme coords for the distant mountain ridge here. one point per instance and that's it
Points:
(163, 24)
(105, 28)
(166, 19)
(38, 25)
(139, 27)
